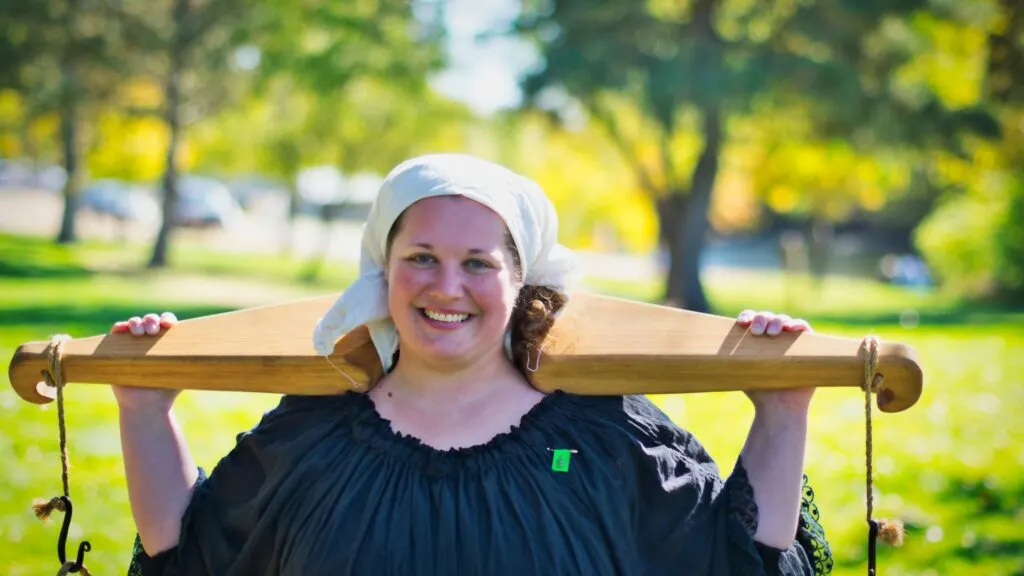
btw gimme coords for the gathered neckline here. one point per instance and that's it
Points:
(371, 427)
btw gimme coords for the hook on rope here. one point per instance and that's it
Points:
(62, 540)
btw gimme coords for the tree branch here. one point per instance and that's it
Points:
(135, 26)
(606, 119)
(199, 21)
(668, 167)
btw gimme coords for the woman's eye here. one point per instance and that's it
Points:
(421, 259)
(476, 264)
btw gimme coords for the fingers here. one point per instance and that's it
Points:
(775, 323)
(759, 322)
(746, 317)
(798, 325)
(135, 326)
(150, 324)
(770, 323)
(168, 319)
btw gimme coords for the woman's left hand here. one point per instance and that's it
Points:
(771, 324)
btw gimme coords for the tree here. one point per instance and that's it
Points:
(193, 48)
(343, 93)
(974, 240)
(674, 68)
(217, 50)
(37, 37)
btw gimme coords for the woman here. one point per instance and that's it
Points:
(452, 463)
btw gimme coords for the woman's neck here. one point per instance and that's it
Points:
(454, 408)
(435, 387)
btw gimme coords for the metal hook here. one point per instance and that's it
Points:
(533, 366)
(62, 540)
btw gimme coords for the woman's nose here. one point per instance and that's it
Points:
(448, 282)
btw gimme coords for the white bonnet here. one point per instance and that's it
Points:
(519, 201)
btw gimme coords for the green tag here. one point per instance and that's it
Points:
(560, 461)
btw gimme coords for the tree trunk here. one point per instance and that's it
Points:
(291, 218)
(819, 243)
(173, 120)
(69, 128)
(671, 218)
(72, 186)
(690, 226)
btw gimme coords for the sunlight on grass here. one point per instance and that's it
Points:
(951, 466)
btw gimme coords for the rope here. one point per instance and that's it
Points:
(355, 385)
(890, 532)
(55, 379)
(44, 508)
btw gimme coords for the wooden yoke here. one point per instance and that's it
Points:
(598, 345)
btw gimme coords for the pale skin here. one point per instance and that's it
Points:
(452, 287)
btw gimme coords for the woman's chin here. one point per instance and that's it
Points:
(449, 354)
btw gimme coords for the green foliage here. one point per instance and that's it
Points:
(860, 82)
(325, 46)
(962, 498)
(975, 242)
(1010, 270)
(339, 83)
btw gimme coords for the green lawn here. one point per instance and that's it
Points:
(951, 467)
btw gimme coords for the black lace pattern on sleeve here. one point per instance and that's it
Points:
(741, 498)
(134, 569)
(810, 533)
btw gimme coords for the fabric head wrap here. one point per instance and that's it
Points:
(519, 201)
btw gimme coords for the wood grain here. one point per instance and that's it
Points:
(598, 345)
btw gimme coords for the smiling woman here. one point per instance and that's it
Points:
(452, 282)
(452, 462)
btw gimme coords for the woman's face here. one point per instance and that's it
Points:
(451, 282)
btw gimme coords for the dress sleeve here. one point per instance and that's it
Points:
(808, 548)
(220, 526)
(689, 520)
(142, 564)
(811, 534)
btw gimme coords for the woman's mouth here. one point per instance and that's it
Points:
(447, 319)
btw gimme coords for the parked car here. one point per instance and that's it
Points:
(121, 200)
(205, 202)
(202, 202)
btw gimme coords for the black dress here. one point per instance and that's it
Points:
(584, 486)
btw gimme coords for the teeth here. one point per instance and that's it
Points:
(445, 317)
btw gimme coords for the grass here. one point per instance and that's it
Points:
(950, 467)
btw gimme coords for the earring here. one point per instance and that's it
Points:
(508, 343)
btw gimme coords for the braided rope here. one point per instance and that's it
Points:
(44, 508)
(890, 532)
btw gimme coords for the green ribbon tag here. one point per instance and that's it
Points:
(560, 460)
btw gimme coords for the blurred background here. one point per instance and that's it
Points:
(857, 163)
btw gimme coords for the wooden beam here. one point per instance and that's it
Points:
(598, 345)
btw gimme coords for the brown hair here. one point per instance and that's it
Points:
(532, 317)
(534, 311)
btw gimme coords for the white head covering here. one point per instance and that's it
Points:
(519, 201)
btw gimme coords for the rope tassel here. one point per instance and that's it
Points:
(42, 508)
(888, 531)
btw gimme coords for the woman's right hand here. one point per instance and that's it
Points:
(144, 399)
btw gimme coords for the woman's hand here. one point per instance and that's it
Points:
(771, 324)
(144, 399)
(150, 324)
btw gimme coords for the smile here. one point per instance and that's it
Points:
(444, 317)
